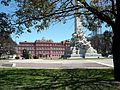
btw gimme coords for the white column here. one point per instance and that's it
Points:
(78, 23)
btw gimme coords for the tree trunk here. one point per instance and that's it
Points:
(116, 43)
(116, 50)
(116, 56)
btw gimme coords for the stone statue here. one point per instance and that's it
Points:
(79, 46)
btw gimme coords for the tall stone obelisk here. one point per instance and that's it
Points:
(75, 51)
(78, 23)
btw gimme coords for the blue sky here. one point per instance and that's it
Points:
(55, 32)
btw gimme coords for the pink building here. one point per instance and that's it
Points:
(42, 48)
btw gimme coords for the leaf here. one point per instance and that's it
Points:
(82, 1)
(29, 30)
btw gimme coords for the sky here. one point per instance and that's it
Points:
(56, 32)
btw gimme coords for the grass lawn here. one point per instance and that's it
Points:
(57, 79)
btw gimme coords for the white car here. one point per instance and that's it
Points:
(110, 56)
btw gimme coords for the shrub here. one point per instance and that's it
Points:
(17, 57)
(35, 57)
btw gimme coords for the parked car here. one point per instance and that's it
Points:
(110, 56)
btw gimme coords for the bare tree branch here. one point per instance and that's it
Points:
(113, 7)
(58, 13)
(100, 15)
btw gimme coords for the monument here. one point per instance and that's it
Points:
(79, 46)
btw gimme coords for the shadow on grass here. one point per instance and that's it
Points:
(57, 79)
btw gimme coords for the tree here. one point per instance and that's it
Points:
(7, 45)
(107, 41)
(97, 42)
(102, 43)
(25, 54)
(93, 12)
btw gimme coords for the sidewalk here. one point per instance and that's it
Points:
(57, 64)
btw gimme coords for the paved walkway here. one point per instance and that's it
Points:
(55, 64)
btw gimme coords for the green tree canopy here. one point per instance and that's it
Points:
(7, 45)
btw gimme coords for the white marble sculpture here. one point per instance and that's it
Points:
(79, 46)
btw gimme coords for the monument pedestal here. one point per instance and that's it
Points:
(88, 55)
(76, 56)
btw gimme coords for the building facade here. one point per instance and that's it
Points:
(42, 48)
